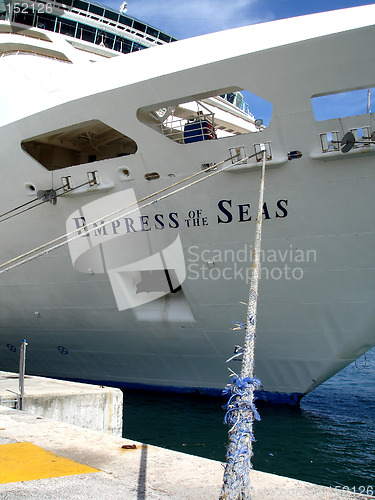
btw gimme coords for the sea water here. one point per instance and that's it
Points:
(329, 439)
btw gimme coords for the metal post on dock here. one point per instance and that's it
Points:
(21, 383)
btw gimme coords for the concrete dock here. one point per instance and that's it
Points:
(93, 407)
(44, 459)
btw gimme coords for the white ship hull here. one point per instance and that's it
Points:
(78, 306)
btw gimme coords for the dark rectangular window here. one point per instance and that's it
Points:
(80, 5)
(68, 27)
(108, 40)
(26, 18)
(164, 37)
(96, 10)
(137, 46)
(46, 22)
(139, 26)
(152, 31)
(123, 45)
(126, 20)
(86, 33)
(111, 15)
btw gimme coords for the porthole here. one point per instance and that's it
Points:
(294, 155)
(62, 350)
(151, 176)
(30, 188)
(125, 174)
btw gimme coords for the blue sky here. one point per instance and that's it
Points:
(186, 18)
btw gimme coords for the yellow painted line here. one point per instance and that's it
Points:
(26, 462)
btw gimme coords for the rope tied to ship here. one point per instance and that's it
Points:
(241, 410)
(43, 196)
(123, 211)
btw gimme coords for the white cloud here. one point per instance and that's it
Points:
(186, 18)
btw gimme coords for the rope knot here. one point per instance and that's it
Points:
(240, 384)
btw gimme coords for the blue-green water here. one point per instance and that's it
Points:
(328, 440)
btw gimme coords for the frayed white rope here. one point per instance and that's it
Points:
(241, 411)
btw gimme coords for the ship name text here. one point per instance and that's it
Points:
(227, 213)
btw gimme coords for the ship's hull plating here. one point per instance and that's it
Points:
(78, 307)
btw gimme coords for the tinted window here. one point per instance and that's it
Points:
(111, 15)
(24, 18)
(86, 33)
(152, 31)
(80, 5)
(139, 26)
(123, 45)
(108, 40)
(164, 37)
(68, 27)
(96, 10)
(126, 20)
(46, 22)
(137, 46)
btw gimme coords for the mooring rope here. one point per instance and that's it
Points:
(241, 411)
(53, 244)
(22, 211)
(18, 208)
(65, 192)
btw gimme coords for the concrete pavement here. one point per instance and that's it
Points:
(125, 472)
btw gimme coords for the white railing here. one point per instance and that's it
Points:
(195, 128)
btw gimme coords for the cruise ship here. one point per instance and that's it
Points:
(131, 171)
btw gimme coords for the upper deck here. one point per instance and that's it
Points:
(87, 21)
